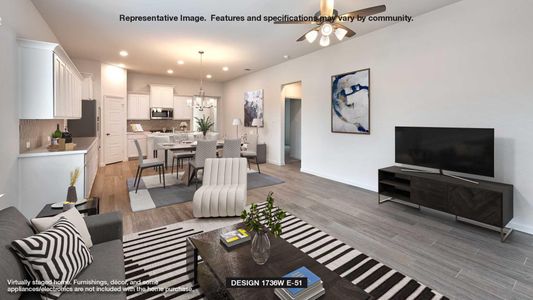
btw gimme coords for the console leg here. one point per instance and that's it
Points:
(380, 201)
(503, 234)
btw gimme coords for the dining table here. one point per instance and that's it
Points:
(182, 146)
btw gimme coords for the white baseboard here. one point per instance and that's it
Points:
(274, 162)
(521, 227)
(339, 179)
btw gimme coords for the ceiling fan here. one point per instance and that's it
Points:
(329, 21)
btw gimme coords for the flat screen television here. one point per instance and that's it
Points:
(465, 150)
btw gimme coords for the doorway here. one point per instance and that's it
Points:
(293, 129)
(114, 134)
(291, 95)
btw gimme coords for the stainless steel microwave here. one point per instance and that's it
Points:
(159, 113)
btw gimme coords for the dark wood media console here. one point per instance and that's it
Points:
(487, 202)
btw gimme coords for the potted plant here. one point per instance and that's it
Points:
(271, 221)
(72, 196)
(204, 124)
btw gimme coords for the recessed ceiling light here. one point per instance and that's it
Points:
(122, 65)
(170, 71)
(123, 53)
(286, 56)
(225, 69)
(181, 62)
(208, 76)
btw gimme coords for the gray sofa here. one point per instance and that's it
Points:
(108, 264)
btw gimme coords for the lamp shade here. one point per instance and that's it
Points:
(257, 122)
(236, 122)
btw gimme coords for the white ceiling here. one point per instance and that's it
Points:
(91, 29)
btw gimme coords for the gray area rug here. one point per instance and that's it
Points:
(159, 254)
(151, 193)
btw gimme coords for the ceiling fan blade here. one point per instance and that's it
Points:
(349, 33)
(326, 7)
(366, 12)
(302, 38)
(296, 22)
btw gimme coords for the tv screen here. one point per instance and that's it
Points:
(465, 150)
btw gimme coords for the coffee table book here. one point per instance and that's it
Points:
(314, 286)
(234, 237)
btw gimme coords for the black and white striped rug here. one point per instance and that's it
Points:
(159, 255)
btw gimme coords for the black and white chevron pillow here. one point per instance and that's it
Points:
(55, 256)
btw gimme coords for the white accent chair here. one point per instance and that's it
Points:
(224, 188)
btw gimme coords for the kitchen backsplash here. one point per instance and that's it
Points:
(148, 125)
(37, 132)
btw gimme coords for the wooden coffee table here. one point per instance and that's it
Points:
(220, 263)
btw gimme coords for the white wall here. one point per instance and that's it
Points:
(18, 19)
(457, 66)
(138, 82)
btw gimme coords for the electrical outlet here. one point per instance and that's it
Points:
(28, 144)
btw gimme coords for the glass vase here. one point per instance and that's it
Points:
(260, 247)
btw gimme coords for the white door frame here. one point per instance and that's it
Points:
(104, 129)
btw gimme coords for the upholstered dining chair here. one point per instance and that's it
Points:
(179, 156)
(204, 149)
(146, 164)
(232, 148)
(251, 151)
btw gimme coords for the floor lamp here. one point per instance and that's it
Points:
(257, 123)
(236, 123)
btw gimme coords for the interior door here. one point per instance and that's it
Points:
(115, 129)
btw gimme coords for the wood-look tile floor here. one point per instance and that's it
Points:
(460, 260)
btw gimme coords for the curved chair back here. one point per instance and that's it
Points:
(252, 143)
(204, 150)
(225, 171)
(232, 148)
(139, 152)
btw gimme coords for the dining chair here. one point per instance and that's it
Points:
(232, 148)
(179, 156)
(251, 151)
(159, 140)
(146, 164)
(204, 150)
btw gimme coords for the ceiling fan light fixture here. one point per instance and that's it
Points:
(324, 41)
(311, 36)
(340, 33)
(326, 29)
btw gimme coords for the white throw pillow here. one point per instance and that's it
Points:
(73, 216)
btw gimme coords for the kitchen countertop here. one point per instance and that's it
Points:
(83, 144)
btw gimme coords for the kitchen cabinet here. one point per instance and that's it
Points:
(132, 149)
(49, 83)
(47, 174)
(182, 108)
(161, 96)
(138, 107)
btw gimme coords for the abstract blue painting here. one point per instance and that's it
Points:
(350, 102)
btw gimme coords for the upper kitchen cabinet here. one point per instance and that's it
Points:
(138, 107)
(50, 85)
(182, 108)
(161, 96)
